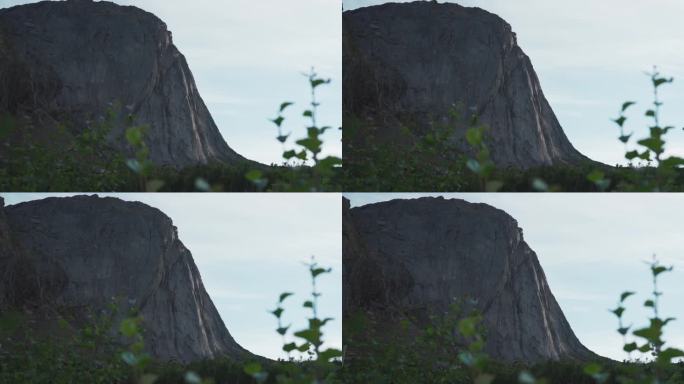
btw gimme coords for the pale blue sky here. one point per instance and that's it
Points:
(247, 57)
(249, 248)
(590, 56)
(592, 248)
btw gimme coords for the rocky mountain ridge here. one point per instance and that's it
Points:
(70, 62)
(76, 254)
(411, 65)
(410, 259)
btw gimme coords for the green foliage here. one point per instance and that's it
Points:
(321, 365)
(446, 348)
(60, 354)
(410, 162)
(61, 161)
(428, 163)
(58, 160)
(107, 350)
(449, 348)
(296, 175)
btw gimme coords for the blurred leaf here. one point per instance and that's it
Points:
(526, 377)
(494, 186)
(284, 296)
(657, 270)
(134, 165)
(148, 378)
(670, 353)
(278, 120)
(539, 185)
(284, 105)
(474, 166)
(129, 327)
(330, 354)
(625, 295)
(257, 178)
(193, 378)
(474, 137)
(592, 369)
(484, 378)
(627, 104)
(316, 82)
(658, 81)
(317, 271)
(154, 185)
(631, 155)
(202, 185)
(277, 312)
(129, 358)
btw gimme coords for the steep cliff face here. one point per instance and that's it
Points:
(8, 253)
(423, 253)
(410, 64)
(70, 61)
(80, 252)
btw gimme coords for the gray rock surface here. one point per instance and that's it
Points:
(411, 63)
(414, 257)
(80, 252)
(8, 253)
(70, 61)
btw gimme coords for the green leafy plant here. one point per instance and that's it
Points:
(58, 159)
(449, 348)
(322, 364)
(370, 166)
(296, 175)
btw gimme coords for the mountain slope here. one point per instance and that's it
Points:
(70, 61)
(409, 259)
(411, 64)
(76, 254)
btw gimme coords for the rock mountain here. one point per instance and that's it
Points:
(409, 259)
(411, 63)
(70, 61)
(75, 254)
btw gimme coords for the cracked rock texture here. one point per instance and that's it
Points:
(75, 254)
(412, 258)
(70, 61)
(411, 63)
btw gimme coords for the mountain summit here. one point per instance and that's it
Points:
(411, 64)
(69, 62)
(410, 259)
(74, 255)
